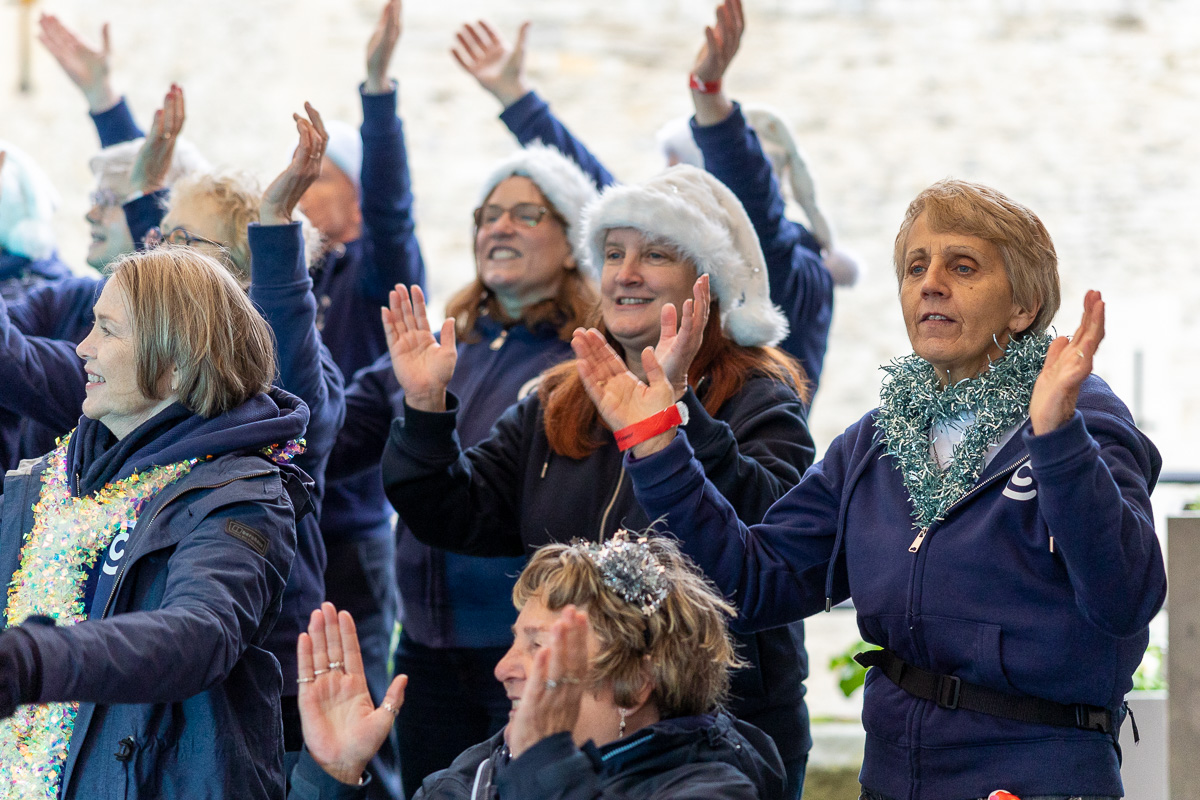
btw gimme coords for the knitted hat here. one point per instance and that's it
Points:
(27, 203)
(560, 179)
(345, 150)
(675, 141)
(694, 212)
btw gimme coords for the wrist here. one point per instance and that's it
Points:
(653, 445)
(101, 99)
(711, 109)
(377, 85)
(698, 84)
(660, 426)
(433, 402)
(510, 93)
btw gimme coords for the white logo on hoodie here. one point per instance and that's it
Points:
(1016, 486)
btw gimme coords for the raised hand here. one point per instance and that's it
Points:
(281, 197)
(423, 367)
(676, 350)
(498, 68)
(554, 686)
(380, 48)
(1068, 362)
(716, 54)
(154, 158)
(342, 727)
(87, 67)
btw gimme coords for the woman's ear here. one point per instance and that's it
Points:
(570, 263)
(1022, 318)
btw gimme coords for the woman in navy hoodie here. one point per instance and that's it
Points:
(146, 556)
(991, 520)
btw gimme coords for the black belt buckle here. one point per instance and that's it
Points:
(948, 689)
(1092, 718)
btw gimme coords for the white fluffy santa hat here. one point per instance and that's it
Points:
(694, 212)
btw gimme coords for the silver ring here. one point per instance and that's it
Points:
(306, 680)
(317, 672)
(1080, 353)
(387, 706)
(337, 665)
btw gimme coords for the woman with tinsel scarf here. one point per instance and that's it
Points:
(145, 557)
(991, 520)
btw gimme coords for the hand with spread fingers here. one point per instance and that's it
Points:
(153, 160)
(423, 366)
(721, 43)
(281, 197)
(1068, 362)
(555, 684)
(87, 67)
(620, 397)
(381, 47)
(500, 69)
(342, 727)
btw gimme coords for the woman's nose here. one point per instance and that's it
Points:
(934, 280)
(508, 667)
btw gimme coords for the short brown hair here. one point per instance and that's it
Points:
(1023, 241)
(188, 313)
(685, 643)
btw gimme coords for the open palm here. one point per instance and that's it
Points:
(423, 366)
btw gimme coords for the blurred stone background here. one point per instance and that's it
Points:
(1086, 110)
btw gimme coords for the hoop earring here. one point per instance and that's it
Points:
(624, 714)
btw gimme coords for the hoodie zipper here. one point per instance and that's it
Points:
(612, 501)
(125, 562)
(917, 542)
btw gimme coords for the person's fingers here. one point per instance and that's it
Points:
(474, 33)
(316, 630)
(473, 53)
(333, 635)
(156, 126)
(654, 371)
(389, 328)
(493, 38)
(404, 306)
(396, 310)
(304, 656)
(395, 692)
(351, 653)
(418, 304)
(667, 321)
(318, 123)
(522, 36)
(105, 42)
(448, 333)
(575, 640)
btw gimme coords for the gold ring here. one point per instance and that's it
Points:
(166, 135)
(317, 672)
(337, 665)
(1080, 354)
(306, 680)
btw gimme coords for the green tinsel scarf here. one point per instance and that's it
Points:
(912, 402)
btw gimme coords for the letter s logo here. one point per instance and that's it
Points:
(114, 554)
(1016, 487)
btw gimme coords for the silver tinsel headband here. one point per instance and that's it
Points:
(629, 567)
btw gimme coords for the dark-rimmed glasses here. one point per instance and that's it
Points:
(179, 236)
(527, 214)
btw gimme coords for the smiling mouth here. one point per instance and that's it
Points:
(633, 301)
(503, 254)
(936, 318)
(94, 379)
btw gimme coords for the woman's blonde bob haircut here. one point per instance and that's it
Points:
(684, 646)
(189, 314)
(1024, 243)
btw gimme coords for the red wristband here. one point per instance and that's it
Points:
(703, 87)
(651, 426)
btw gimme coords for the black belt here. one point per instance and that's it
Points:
(951, 692)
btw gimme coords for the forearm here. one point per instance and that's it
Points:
(531, 120)
(144, 213)
(393, 254)
(44, 379)
(1096, 504)
(114, 121)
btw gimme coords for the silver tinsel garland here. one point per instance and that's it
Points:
(912, 402)
(629, 567)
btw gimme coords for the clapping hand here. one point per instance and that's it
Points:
(281, 197)
(153, 160)
(500, 69)
(87, 67)
(620, 397)
(1068, 362)
(380, 48)
(554, 686)
(342, 727)
(423, 367)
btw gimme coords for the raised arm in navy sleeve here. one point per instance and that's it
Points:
(43, 378)
(530, 120)
(392, 254)
(145, 212)
(800, 284)
(116, 125)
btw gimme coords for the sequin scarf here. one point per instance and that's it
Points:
(912, 401)
(69, 534)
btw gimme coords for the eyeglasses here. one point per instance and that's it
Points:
(104, 198)
(156, 236)
(527, 214)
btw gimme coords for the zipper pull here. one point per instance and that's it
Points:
(498, 342)
(916, 545)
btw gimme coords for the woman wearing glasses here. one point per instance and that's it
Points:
(513, 321)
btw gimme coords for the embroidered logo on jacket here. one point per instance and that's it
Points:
(1017, 486)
